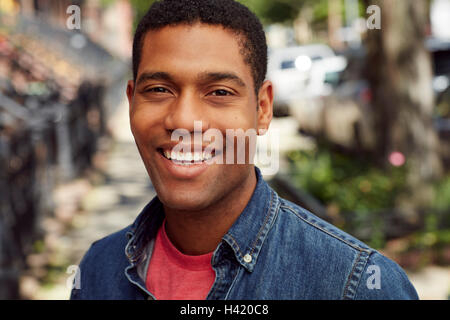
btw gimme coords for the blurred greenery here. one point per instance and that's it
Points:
(38, 246)
(139, 7)
(432, 242)
(273, 11)
(347, 183)
(269, 11)
(442, 194)
(443, 105)
(355, 191)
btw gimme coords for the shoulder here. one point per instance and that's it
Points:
(294, 217)
(111, 244)
(383, 279)
(359, 271)
(102, 266)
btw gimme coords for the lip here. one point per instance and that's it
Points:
(181, 171)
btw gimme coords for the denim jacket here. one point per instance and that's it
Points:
(274, 250)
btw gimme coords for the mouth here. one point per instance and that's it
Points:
(188, 158)
(186, 165)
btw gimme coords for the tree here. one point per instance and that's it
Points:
(399, 72)
(274, 11)
(286, 11)
(140, 8)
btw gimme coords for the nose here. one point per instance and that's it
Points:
(184, 112)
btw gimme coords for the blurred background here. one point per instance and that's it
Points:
(362, 107)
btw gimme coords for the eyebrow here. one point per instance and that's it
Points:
(146, 76)
(220, 76)
(202, 77)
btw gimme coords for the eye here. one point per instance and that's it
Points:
(221, 93)
(157, 90)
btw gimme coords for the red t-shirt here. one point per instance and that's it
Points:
(172, 275)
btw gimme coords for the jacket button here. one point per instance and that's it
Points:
(248, 258)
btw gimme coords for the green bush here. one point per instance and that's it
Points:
(347, 183)
(442, 194)
(355, 190)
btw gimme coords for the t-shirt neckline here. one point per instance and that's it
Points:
(190, 262)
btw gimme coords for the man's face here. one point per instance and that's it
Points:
(186, 74)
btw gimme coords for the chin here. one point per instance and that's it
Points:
(185, 201)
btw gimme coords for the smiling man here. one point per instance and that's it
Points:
(216, 230)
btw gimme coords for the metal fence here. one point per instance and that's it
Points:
(45, 138)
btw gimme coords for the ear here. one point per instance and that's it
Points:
(265, 106)
(130, 93)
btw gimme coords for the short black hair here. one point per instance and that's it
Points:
(227, 13)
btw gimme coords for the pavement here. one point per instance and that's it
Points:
(122, 192)
(431, 283)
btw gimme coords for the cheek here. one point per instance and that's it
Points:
(143, 123)
(236, 118)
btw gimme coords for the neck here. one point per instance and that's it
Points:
(199, 232)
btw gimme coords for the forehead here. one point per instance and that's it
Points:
(193, 48)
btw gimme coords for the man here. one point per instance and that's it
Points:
(216, 230)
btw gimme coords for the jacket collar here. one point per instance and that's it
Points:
(144, 228)
(245, 237)
(248, 233)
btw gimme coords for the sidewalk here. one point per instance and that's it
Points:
(432, 283)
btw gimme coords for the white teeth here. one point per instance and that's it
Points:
(187, 156)
(197, 156)
(207, 155)
(173, 155)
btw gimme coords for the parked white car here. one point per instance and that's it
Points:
(300, 71)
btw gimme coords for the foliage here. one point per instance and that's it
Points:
(273, 11)
(282, 11)
(442, 194)
(442, 109)
(356, 190)
(355, 184)
(140, 8)
(353, 190)
(269, 11)
(347, 183)
(433, 242)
